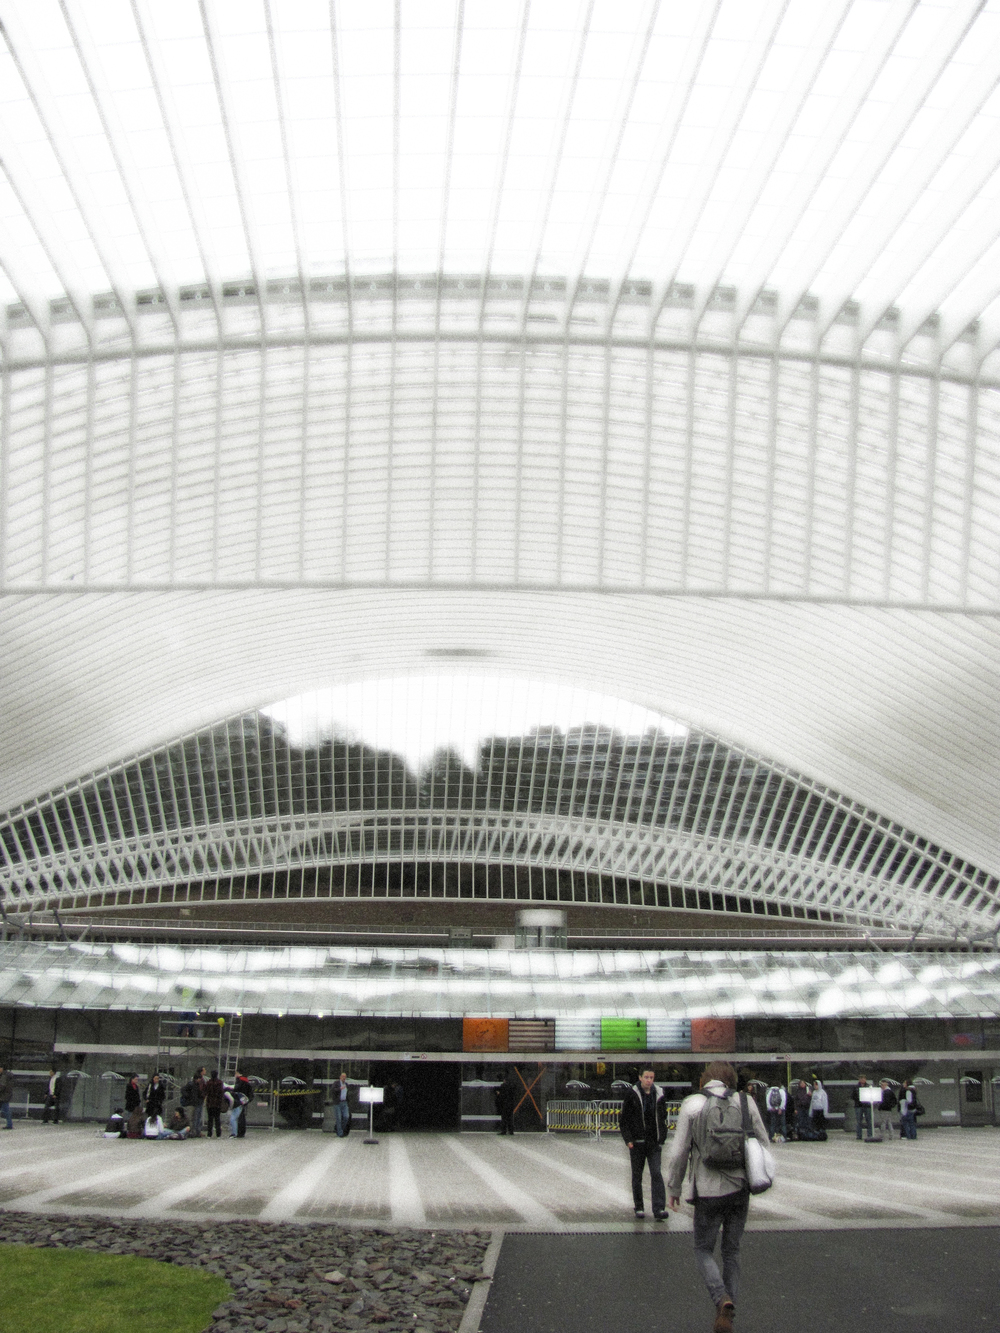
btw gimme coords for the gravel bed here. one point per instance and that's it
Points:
(289, 1278)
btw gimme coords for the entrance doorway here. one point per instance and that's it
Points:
(418, 1094)
(976, 1096)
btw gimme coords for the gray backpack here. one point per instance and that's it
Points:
(718, 1132)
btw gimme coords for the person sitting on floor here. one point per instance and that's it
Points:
(180, 1126)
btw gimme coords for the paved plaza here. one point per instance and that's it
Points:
(532, 1182)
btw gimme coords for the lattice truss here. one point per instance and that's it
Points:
(655, 820)
(656, 301)
(666, 298)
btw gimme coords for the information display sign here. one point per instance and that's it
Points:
(623, 1034)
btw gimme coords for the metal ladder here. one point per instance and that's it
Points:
(233, 1033)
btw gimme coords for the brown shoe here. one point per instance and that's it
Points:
(724, 1317)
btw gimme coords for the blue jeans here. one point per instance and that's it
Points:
(5, 1112)
(641, 1153)
(234, 1120)
(343, 1118)
(730, 1213)
(776, 1123)
(863, 1116)
(908, 1125)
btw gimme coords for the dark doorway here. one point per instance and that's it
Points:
(420, 1094)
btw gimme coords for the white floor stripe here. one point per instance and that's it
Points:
(291, 1198)
(404, 1192)
(617, 1194)
(525, 1204)
(48, 1163)
(157, 1204)
(29, 1201)
(898, 1181)
(931, 1214)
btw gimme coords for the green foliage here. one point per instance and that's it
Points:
(79, 1291)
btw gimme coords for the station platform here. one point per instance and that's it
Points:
(946, 1178)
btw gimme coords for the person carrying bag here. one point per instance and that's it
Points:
(710, 1148)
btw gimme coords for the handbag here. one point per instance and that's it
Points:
(761, 1167)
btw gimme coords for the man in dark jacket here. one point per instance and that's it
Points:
(198, 1085)
(133, 1094)
(156, 1096)
(506, 1100)
(215, 1099)
(801, 1097)
(53, 1098)
(643, 1126)
(242, 1095)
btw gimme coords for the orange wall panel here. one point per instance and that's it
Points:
(484, 1034)
(713, 1034)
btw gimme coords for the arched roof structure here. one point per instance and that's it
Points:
(654, 349)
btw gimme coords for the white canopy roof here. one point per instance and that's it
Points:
(649, 347)
(571, 985)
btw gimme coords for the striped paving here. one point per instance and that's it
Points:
(531, 1182)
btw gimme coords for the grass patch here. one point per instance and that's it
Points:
(80, 1291)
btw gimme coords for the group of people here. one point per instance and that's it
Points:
(203, 1101)
(809, 1106)
(876, 1111)
(802, 1113)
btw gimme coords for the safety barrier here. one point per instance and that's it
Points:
(606, 1117)
(569, 1117)
(593, 1118)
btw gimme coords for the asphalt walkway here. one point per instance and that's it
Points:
(914, 1280)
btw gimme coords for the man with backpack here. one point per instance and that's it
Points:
(710, 1141)
(776, 1101)
(643, 1126)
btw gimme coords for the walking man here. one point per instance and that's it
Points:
(53, 1093)
(720, 1193)
(6, 1092)
(643, 1126)
(342, 1106)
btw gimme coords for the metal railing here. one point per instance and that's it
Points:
(593, 1118)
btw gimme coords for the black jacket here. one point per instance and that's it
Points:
(632, 1125)
(133, 1097)
(505, 1096)
(156, 1095)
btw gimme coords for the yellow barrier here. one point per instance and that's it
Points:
(569, 1117)
(594, 1118)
